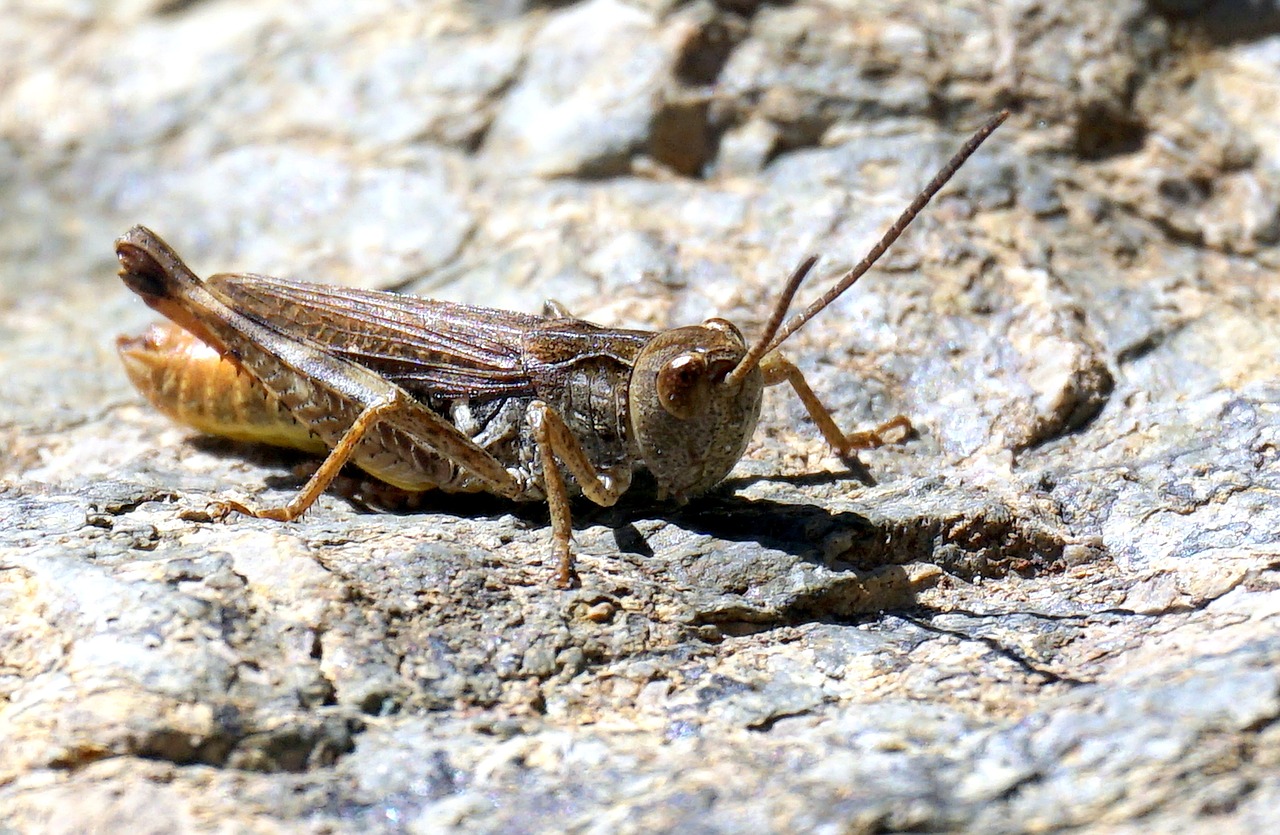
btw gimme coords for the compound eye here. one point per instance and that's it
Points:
(683, 386)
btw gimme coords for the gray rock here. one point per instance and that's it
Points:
(588, 93)
(1053, 607)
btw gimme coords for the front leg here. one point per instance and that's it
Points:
(557, 445)
(778, 369)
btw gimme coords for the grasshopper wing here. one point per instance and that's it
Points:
(426, 346)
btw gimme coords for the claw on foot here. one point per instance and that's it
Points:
(895, 431)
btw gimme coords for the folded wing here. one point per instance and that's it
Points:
(427, 347)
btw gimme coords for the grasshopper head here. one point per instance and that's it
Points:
(690, 419)
(695, 392)
(695, 398)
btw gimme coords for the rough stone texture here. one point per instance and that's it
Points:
(1056, 607)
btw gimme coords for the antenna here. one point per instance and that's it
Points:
(851, 277)
(757, 352)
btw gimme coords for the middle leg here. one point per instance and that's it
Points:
(558, 446)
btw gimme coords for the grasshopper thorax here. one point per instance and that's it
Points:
(690, 420)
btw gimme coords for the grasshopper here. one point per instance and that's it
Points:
(425, 394)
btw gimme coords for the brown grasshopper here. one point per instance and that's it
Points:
(425, 394)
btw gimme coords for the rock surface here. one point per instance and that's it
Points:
(1058, 606)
